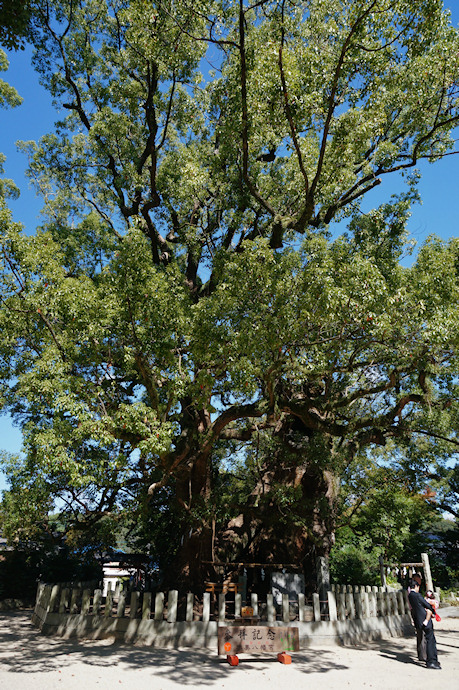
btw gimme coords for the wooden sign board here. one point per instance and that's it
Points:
(258, 639)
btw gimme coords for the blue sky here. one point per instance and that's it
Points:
(439, 185)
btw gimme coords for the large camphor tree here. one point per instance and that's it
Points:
(182, 314)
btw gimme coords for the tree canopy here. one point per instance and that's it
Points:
(14, 22)
(182, 328)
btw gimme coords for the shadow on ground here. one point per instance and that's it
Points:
(404, 651)
(23, 649)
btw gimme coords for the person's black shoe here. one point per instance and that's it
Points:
(433, 664)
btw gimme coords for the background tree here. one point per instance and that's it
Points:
(349, 357)
(8, 98)
(14, 23)
(164, 307)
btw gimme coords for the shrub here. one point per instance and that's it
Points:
(352, 566)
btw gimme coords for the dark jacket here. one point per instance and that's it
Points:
(418, 607)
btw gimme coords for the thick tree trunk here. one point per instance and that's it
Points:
(192, 564)
(290, 519)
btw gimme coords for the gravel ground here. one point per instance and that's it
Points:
(30, 661)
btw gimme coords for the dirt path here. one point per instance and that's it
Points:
(29, 661)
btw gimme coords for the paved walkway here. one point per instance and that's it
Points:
(30, 661)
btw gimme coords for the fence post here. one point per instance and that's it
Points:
(206, 607)
(372, 603)
(172, 601)
(159, 606)
(237, 604)
(341, 605)
(189, 607)
(365, 605)
(388, 602)
(271, 611)
(400, 603)
(108, 603)
(350, 605)
(332, 613)
(44, 597)
(85, 602)
(316, 606)
(40, 592)
(53, 598)
(221, 606)
(300, 607)
(74, 601)
(285, 608)
(146, 606)
(96, 602)
(407, 603)
(379, 604)
(64, 602)
(121, 604)
(358, 605)
(393, 600)
(382, 601)
(134, 604)
(254, 603)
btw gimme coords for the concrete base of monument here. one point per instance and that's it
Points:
(282, 658)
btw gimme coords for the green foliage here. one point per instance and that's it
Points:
(20, 570)
(355, 565)
(380, 505)
(391, 512)
(440, 539)
(14, 22)
(449, 597)
(154, 527)
(182, 294)
(8, 95)
(25, 508)
(8, 98)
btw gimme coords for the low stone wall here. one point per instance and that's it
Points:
(87, 615)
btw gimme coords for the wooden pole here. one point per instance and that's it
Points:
(427, 573)
(382, 571)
